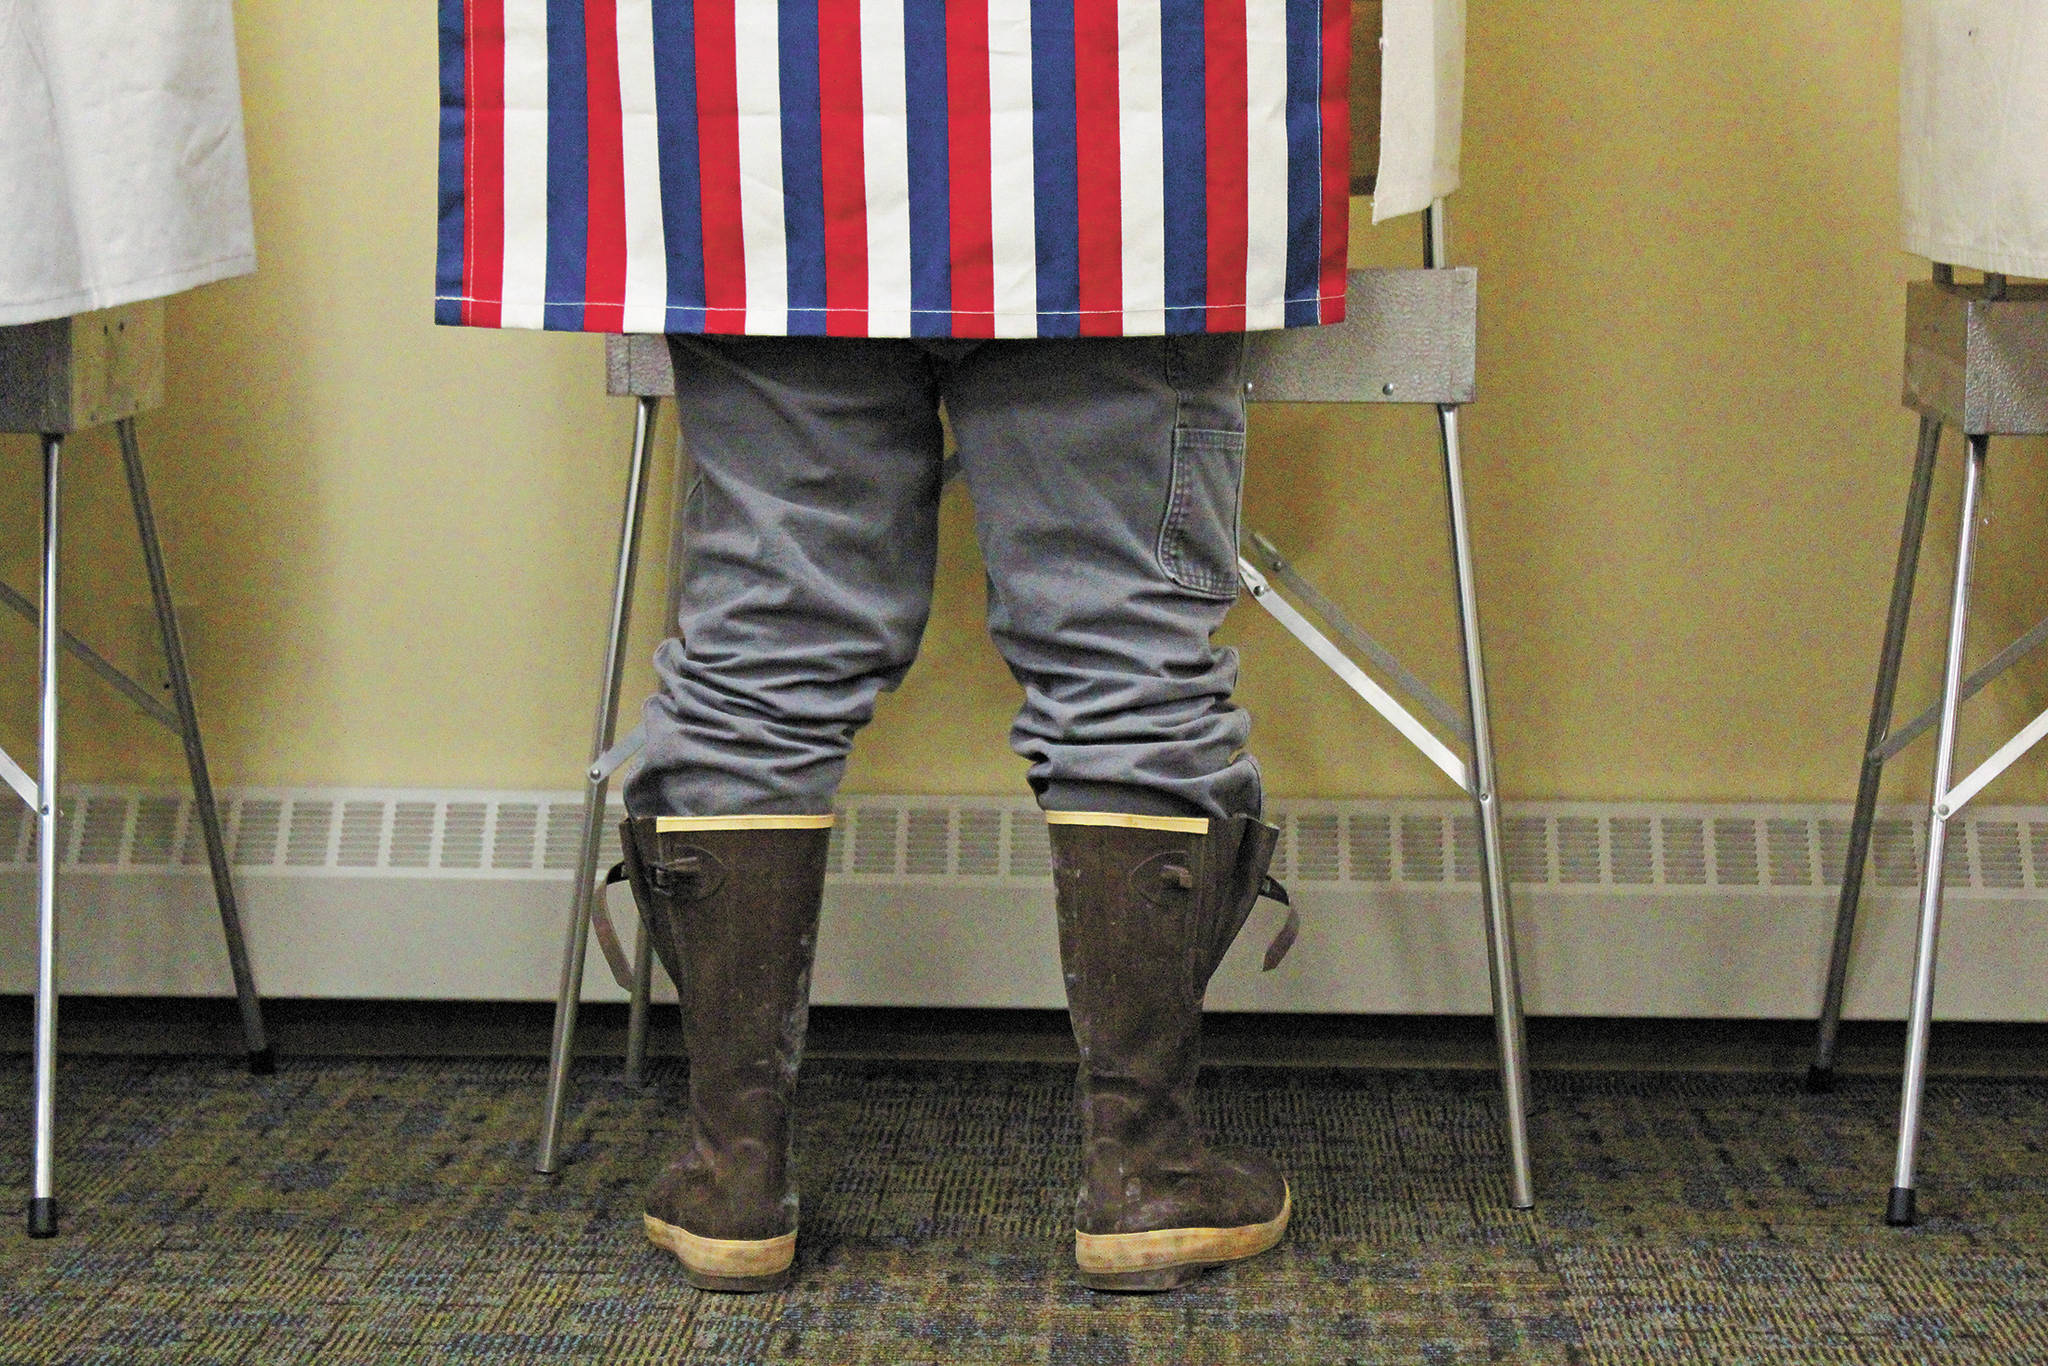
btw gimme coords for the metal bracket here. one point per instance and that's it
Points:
(1408, 336)
(1974, 684)
(1958, 797)
(1382, 658)
(66, 374)
(18, 779)
(615, 758)
(93, 660)
(1978, 360)
(1353, 677)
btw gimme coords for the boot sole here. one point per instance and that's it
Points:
(1166, 1258)
(733, 1264)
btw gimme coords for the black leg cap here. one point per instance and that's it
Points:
(1898, 1212)
(262, 1063)
(1819, 1080)
(42, 1217)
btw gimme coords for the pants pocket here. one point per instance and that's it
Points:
(1198, 538)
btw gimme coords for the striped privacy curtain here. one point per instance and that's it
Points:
(893, 168)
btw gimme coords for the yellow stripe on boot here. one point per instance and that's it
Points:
(675, 825)
(1177, 825)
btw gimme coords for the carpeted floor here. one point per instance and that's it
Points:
(382, 1212)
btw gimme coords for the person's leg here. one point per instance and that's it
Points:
(811, 541)
(812, 536)
(1106, 477)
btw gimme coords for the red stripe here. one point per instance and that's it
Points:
(604, 262)
(1098, 155)
(1228, 81)
(968, 170)
(841, 148)
(718, 154)
(483, 147)
(1336, 155)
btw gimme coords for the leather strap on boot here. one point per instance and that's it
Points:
(731, 905)
(1147, 908)
(1235, 858)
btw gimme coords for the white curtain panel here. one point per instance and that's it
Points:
(1973, 133)
(1422, 104)
(122, 170)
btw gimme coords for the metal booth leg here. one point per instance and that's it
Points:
(597, 779)
(1820, 1076)
(678, 545)
(42, 1205)
(1899, 1209)
(643, 953)
(1504, 978)
(261, 1060)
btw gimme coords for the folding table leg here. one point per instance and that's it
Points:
(1820, 1076)
(1505, 979)
(596, 781)
(261, 1060)
(42, 1205)
(1899, 1209)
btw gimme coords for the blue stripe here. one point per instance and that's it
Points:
(1187, 165)
(682, 217)
(448, 254)
(1055, 169)
(568, 167)
(1304, 159)
(803, 166)
(931, 205)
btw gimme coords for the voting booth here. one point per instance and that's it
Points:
(122, 180)
(1973, 141)
(1409, 336)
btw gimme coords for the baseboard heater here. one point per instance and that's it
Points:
(1663, 909)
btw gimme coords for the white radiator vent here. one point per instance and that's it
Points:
(1585, 846)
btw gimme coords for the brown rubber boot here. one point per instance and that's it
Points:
(731, 904)
(1147, 908)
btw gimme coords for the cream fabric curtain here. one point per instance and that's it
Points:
(1973, 133)
(122, 170)
(1422, 104)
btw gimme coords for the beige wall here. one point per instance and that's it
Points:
(1687, 462)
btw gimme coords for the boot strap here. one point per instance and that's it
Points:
(1271, 889)
(607, 933)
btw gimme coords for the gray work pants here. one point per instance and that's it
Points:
(1105, 475)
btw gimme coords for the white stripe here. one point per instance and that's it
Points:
(1265, 279)
(526, 162)
(763, 244)
(885, 157)
(1141, 136)
(646, 250)
(1014, 229)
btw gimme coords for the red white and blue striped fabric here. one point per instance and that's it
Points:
(894, 168)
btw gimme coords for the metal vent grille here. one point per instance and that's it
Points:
(362, 834)
(1685, 851)
(1422, 849)
(1632, 850)
(1585, 847)
(305, 844)
(981, 843)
